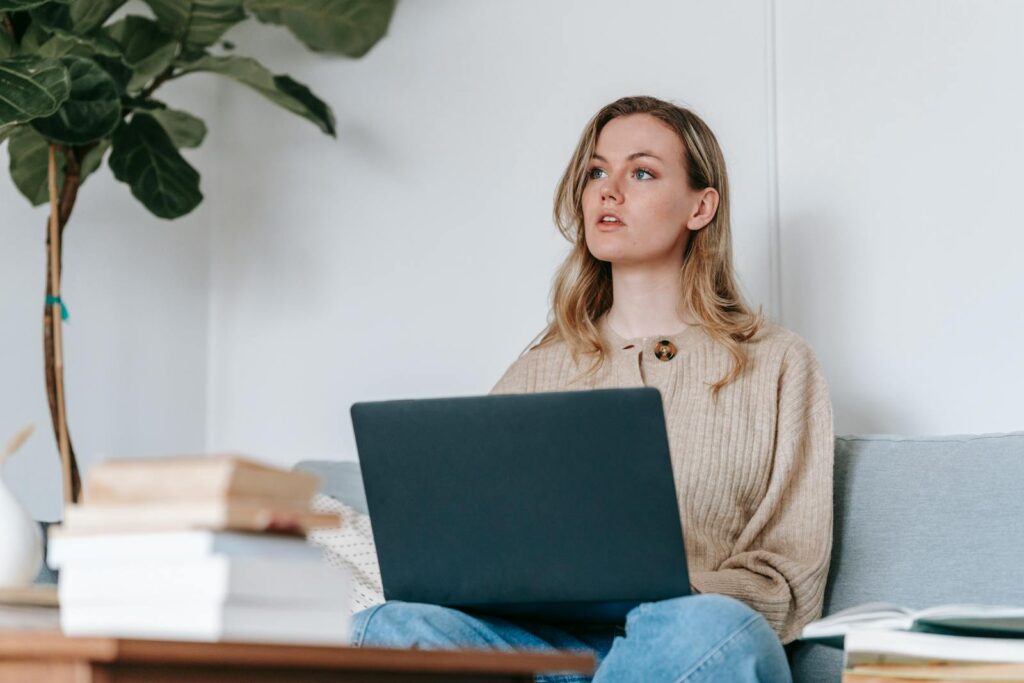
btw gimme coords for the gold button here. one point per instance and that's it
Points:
(665, 350)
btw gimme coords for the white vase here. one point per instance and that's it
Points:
(21, 544)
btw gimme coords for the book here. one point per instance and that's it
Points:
(969, 620)
(223, 515)
(208, 622)
(900, 673)
(34, 595)
(214, 579)
(29, 607)
(66, 546)
(20, 617)
(195, 478)
(875, 646)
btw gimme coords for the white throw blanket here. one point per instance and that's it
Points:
(350, 547)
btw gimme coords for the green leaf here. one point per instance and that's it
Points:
(53, 17)
(92, 110)
(20, 5)
(30, 160)
(184, 129)
(57, 46)
(26, 148)
(31, 87)
(318, 111)
(7, 45)
(62, 20)
(80, 17)
(89, 15)
(5, 131)
(146, 48)
(31, 40)
(92, 44)
(94, 158)
(348, 27)
(147, 104)
(197, 23)
(117, 70)
(281, 90)
(145, 158)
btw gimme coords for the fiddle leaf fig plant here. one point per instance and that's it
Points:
(77, 82)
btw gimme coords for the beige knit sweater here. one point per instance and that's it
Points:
(753, 472)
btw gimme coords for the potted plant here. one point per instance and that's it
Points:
(78, 86)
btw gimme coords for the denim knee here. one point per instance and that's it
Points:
(696, 638)
(418, 625)
(705, 609)
(401, 624)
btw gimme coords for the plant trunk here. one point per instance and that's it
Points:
(60, 211)
(58, 413)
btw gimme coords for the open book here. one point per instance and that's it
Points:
(986, 621)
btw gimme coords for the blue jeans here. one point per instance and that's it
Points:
(689, 639)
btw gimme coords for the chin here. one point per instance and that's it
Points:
(610, 255)
(611, 248)
(618, 255)
(606, 246)
(601, 254)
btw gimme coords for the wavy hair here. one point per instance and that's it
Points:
(582, 288)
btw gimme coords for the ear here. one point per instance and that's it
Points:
(705, 210)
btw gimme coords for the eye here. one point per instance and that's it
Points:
(595, 173)
(643, 174)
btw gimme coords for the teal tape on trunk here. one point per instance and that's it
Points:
(50, 300)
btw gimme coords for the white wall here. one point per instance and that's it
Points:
(413, 256)
(873, 152)
(900, 146)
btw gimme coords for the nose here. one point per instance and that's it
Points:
(610, 191)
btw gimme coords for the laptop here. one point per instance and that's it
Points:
(556, 506)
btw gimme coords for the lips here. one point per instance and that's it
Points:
(608, 220)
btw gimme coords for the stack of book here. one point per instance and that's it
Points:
(886, 643)
(29, 608)
(197, 548)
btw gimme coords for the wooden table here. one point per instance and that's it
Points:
(49, 657)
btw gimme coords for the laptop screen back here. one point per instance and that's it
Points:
(553, 505)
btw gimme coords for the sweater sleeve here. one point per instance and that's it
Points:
(780, 560)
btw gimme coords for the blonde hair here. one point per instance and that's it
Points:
(582, 289)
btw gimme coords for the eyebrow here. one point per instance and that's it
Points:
(631, 157)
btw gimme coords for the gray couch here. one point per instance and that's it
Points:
(918, 522)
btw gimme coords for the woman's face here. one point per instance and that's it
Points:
(638, 207)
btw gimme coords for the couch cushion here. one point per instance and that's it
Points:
(341, 480)
(918, 522)
(921, 522)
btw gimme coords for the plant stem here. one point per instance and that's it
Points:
(72, 180)
(164, 76)
(52, 342)
(55, 314)
(53, 352)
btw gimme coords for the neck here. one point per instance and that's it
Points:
(647, 301)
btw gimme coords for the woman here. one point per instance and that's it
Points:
(647, 297)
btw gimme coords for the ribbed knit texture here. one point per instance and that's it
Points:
(753, 470)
